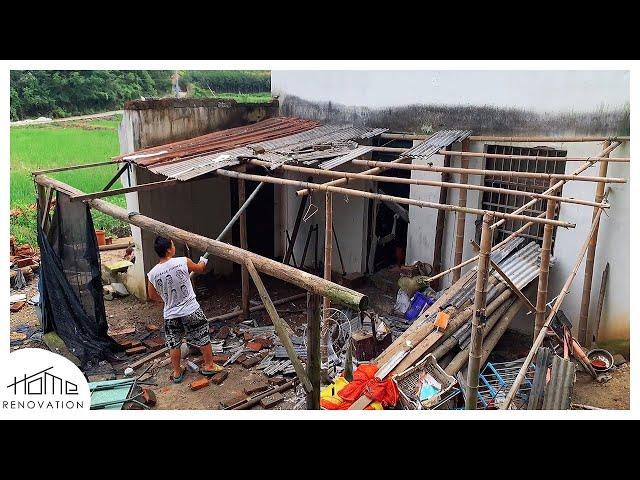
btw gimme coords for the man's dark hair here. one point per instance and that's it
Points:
(161, 245)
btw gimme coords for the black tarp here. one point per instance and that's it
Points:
(70, 282)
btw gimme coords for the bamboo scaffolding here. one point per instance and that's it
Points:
(588, 266)
(244, 244)
(556, 306)
(479, 314)
(543, 278)
(488, 138)
(337, 293)
(551, 189)
(495, 173)
(509, 157)
(463, 186)
(73, 167)
(390, 198)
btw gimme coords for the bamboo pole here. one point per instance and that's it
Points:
(588, 266)
(543, 278)
(593, 331)
(556, 306)
(72, 167)
(488, 138)
(337, 293)
(244, 273)
(257, 308)
(479, 314)
(509, 157)
(439, 235)
(328, 245)
(461, 217)
(496, 173)
(463, 186)
(313, 350)
(280, 326)
(390, 198)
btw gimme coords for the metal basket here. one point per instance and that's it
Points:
(407, 383)
(496, 380)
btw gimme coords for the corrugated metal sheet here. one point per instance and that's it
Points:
(436, 142)
(308, 147)
(355, 153)
(559, 390)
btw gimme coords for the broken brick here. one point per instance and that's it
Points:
(223, 333)
(255, 346)
(24, 262)
(279, 380)
(152, 328)
(198, 384)
(16, 307)
(251, 362)
(221, 358)
(258, 387)
(264, 341)
(271, 400)
(123, 331)
(241, 358)
(149, 397)
(154, 344)
(136, 350)
(247, 336)
(220, 377)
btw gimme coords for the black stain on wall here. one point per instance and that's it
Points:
(480, 119)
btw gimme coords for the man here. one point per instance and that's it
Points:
(169, 282)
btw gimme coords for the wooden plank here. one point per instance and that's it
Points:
(280, 326)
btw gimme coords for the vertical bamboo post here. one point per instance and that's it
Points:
(42, 202)
(313, 350)
(583, 338)
(328, 251)
(440, 221)
(479, 314)
(244, 245)
(461, 216)
(543, 278)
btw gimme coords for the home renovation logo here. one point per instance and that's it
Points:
(40, 380)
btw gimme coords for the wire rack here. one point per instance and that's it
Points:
(496, 380)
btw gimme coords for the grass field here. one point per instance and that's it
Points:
(57, 145)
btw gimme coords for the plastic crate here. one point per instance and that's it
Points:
(407, 383)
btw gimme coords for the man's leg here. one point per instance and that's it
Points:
(197, 334)
(207, 355)
(174, 353)
(173, 333)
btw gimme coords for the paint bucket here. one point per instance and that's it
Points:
(418, 302)
(100, 237)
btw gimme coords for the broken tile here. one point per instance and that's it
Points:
(271, 400)
(264, 341)
(223, 333)
(123, 331)
(136, 350)
(279, 380)
(221, 358)
(254, 346)
(251, 362)
(149, 397)
(152, 328)
(154, 344)
(16, 307)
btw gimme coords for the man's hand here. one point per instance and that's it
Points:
(204, 260)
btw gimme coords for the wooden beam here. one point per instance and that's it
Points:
(338, 294)
(119, 191)
(390, 198)
(72, 167)
(280, 326)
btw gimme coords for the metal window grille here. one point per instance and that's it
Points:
(507, 203)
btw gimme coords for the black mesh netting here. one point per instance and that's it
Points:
(71, 284)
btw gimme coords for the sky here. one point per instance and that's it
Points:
(541, 91)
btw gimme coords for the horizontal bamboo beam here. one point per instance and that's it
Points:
(73, 167)
(390, 198)
(508, 157)
(556, 306)
(118, 191)
(430, 183)
(488, 138)
(493, 173)
(337, 293)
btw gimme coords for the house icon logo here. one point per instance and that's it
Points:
(44, 382)
(39, 382)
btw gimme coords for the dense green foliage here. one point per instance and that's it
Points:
(58, 145)
(63, 93)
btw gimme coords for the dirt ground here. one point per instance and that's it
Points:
(218, 297)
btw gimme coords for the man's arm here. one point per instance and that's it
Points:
(153, 293)
(196, 267)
